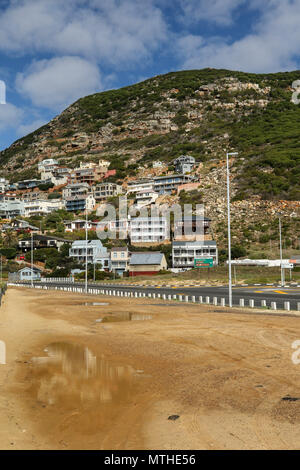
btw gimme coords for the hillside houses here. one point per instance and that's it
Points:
(83, 189)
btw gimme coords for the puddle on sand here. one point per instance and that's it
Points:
(79, 394)
(73, 372)
(124, 316)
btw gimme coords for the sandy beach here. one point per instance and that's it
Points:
(84, 376)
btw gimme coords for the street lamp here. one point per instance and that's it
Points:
(229, 233)
(86, 249)
(31, 259)
(280, 247)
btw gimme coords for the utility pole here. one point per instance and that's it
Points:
(229, 233)
(86, 248)
(31, 259)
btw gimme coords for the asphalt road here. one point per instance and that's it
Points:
(257, 293)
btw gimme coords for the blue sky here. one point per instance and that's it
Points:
(52, 52)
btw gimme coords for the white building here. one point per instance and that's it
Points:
(75, 189)
(96, 253)
(4, 185)
(79, 224)
(184, 253)
(168, 183)
(42, 207)
(47, 165)
(184, 164)
(106, 190)
(149, 230)
(140, 185)
(10, 209)
(119, 259)
(145, 198)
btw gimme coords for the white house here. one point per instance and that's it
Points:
(148, 230)
(94, 250)
(119, 259)
(42, 207)
(184, 253)
(145, 198)
(140, 185)
(47, 164)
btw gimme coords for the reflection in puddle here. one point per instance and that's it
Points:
(124, 316)
(71, 373)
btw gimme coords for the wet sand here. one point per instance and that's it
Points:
(75, 381)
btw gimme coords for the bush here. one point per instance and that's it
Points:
(8, 253)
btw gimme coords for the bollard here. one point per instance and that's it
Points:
(263, 303)
(135, 294)
(180, 298)
(174, 297)
(273, 306)
(186, 298)
(164, 296)
(207, 300)
(154, 295)
(287, 305)
(193, 299)
(222, 302)
(169, 297)
(242, 302)
(251, 303)
(215, 300)
(200, 300)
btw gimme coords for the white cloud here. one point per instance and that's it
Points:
(272, 46)
(215, 11)
(10, 116)
(115, 31)
(57, 82)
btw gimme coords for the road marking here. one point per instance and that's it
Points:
(258, 292)
(280, 292)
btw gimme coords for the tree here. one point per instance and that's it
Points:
(10, 238)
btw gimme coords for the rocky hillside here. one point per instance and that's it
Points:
(203, 113)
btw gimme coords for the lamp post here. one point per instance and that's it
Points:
(280, 247)
(86, 249)
(31, 259)
(229, 233)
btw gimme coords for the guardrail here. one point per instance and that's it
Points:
(216, 301)
(67, 280)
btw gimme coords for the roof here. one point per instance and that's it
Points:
(146, 258)
(37, 270)
(195, 243)
(46, 237)
(82, 243)
(119, 248)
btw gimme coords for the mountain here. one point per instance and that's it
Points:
(203, 113)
